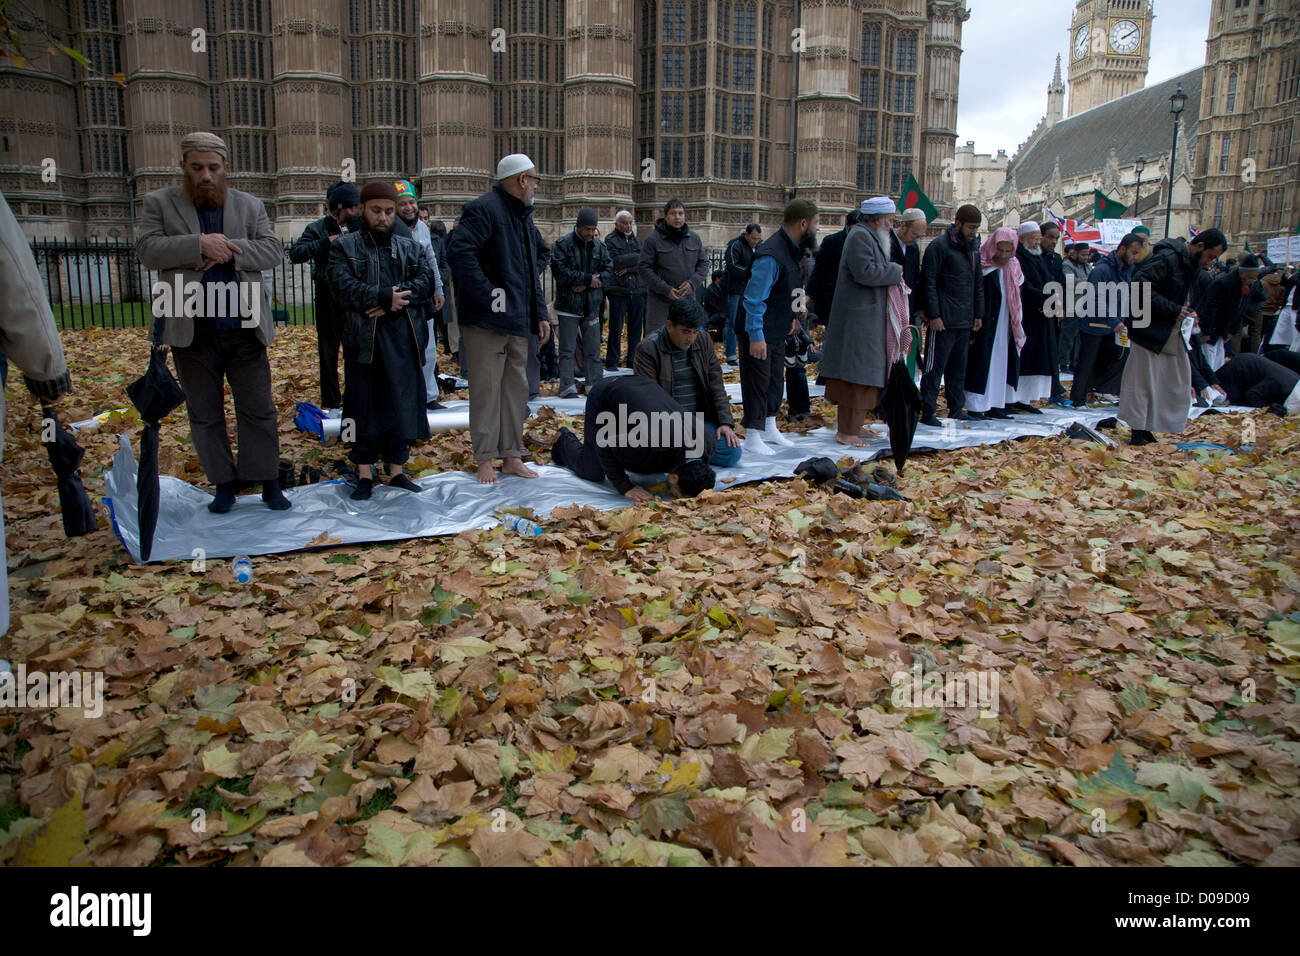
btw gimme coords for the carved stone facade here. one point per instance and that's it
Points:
(733, 105)
(1247, 174)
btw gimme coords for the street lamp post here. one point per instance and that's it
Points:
(1137, 193)
(1176, 103)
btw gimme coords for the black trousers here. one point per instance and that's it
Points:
(796, 390)
(945, 358)
(1053, 355)
(204, 366)
(632, 309)
(578, 456)
(329, 339)
(1098, 356)
(762, 381)
(389, 446)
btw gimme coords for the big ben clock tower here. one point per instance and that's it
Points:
(1110, 45)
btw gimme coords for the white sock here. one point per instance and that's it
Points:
(773, 434)
(754, 444)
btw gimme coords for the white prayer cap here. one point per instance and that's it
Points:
(878, 206)
(513, 165)
(1026, 227)
(915, 214)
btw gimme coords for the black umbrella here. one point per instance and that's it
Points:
(65, 458)
(901, 409)
(155, 394)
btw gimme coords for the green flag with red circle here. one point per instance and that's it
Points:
(913, 197)
(1107, 208)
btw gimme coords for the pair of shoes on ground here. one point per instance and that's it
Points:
(991, 413)
(1141, 437)
(366, 486)
(1026, 408)
(272, 497)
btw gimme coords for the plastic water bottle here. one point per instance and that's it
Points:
(520, 525)
(1121, 338)
(242, 568)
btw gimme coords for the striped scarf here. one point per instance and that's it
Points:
(898, 330)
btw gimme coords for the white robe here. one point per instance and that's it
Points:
(998, 393)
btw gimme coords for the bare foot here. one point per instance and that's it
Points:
(516, 466)
(851, 440)
(487, 475)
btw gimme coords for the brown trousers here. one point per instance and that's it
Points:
(204, 367)
(498, 391)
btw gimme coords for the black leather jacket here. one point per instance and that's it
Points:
(314, 245)
(626, 253)
(354, 277)
(574, 262)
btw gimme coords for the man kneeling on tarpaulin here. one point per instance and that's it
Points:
(632, 424)
(376, 277)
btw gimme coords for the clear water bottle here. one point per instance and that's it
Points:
(520, 525)
(242, 568)
(1121, 337)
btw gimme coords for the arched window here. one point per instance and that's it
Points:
(1232, 91)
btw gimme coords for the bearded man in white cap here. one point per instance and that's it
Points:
(493, 254)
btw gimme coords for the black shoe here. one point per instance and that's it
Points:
(363, 491)
(961, 416)
(406, 484)
(1140, 437)
(273, 497)
(1026, 408)
(997, 413)
(225, 498)
(971, 415)
(929, 420)
(434, 405)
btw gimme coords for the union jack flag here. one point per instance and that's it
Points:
(1074, 231)
(1193, 232)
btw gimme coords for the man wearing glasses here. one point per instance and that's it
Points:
(493, 256)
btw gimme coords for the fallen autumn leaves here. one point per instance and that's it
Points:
(699, 682)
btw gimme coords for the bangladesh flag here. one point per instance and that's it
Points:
(1107, 208)
(912, 196)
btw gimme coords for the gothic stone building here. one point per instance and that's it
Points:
(730, 104)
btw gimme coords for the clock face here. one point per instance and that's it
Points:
(1080, 43)
(1124, 36)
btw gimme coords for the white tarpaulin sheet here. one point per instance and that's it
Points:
(455, 501)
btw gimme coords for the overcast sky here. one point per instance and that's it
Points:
(1009, 50)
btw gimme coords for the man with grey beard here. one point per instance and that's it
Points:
(1035, 381)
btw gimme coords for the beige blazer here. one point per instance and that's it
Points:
(167, 241)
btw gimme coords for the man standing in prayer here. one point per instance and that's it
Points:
(493, 254)
(625, 292)
(954, 299)
(344, 204)
(1055, 265)
(1223, 308)
(1035, 378)
(582, 266)
(1156, 393)
(993, 368)
(774, 304)
(855, 359)
(1076, 264)
(377, 276)
(408, 211)
(673, 264)
(1099, 353)
(909, 227)
(205, 232)
(739, 258)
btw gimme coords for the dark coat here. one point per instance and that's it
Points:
(954, 290)
(637, 393)
(1256, 381)
(714, 301)
(1108, 270)
(739, 258)
(625, 250)
(496, 247)
(1223, 308)
(778, 314)
(654, 360)
(666, 262)
(1172, 275)
(314, 246)
(1036, 357)
(574, 262)
(826, 270)
(854, 349)
(980, 356)
(354, 279)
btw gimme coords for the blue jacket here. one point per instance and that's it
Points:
(495, 247)
(1109, 270)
